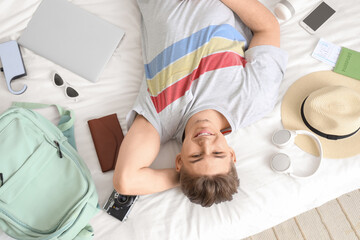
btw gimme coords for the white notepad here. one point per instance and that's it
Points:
(71, 37)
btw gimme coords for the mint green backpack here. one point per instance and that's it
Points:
(46, 190)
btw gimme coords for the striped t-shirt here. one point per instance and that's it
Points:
(194, 60)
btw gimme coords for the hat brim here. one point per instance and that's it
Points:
(291, 115)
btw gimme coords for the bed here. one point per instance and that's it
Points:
(264, 198)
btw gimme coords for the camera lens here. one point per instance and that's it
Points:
(122, 199)
(125, 201)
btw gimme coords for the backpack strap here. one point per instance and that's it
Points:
(67, 118)
(86, 233)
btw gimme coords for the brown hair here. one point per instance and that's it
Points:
(209, 189)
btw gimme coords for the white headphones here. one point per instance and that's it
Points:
(281, 162)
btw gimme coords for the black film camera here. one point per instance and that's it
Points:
(119, 205)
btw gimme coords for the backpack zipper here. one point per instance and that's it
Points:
(58, 148)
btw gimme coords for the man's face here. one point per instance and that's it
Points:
(205, 150)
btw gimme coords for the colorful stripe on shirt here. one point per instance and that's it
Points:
(226, 131)
(171, 73)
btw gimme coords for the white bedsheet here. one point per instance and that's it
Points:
(264, 199)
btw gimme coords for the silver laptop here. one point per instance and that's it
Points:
(71, 37)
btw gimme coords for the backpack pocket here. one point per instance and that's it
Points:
(39, 192)
(20, 180)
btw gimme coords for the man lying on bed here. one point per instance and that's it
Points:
(198, 84)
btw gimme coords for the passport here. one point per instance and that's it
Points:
(348, 63)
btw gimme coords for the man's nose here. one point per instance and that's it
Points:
(205, 142)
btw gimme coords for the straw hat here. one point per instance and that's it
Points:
(327, 104)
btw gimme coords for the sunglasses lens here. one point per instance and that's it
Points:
(71, 92)
(58, 80)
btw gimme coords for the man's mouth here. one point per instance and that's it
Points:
(204, 133)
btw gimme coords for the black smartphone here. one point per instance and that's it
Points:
(317, 17)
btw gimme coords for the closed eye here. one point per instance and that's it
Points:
(219, 154)
(196, 160)
(198, 157)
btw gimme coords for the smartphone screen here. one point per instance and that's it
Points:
(317, 17)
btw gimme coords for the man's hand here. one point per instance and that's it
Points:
(132, 175)
(259, 19)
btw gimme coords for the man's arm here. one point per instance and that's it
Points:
(132, 175)
(259, 19)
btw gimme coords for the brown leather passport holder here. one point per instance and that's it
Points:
(107, 137)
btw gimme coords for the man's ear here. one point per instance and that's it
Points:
(178, 162)
(232, 153)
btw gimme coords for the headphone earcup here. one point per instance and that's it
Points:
(281, 163)
(283, 138)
